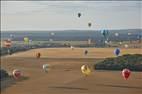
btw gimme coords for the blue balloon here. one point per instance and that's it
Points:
(104, 32)
(117, 51)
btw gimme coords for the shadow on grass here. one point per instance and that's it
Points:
(65, 87)
(120, 86)
(9, 81)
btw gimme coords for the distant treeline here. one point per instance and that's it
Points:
(73, 35)
(133, 62)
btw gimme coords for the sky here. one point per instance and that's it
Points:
(63, 15)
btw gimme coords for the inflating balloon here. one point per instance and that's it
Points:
(89, 24)
(26, 40)
(38, 55)
(79, 14)
(85, 70)
(117, 51)
(46, 67)
(17, 74)
(126, 73)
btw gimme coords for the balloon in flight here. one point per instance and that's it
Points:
(117, 51)
(79, 15)
(126, 73)
(17, 74)
(46, 67)
(89, 24)
(116, 34)
(85, 70)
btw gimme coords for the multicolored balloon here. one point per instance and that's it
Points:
(85, 70)
(126, 73)
(17, 74)
(117, 51)
(46, 67)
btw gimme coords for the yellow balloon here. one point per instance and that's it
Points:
(85, 70)
(26, 39)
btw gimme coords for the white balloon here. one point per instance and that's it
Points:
(116, 34)
(126, 45)
(46, 67)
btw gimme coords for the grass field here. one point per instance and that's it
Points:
(65, 76)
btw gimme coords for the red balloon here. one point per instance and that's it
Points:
(38, 55)
(126, 73)
(17, 74)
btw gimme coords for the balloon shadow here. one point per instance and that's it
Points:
(120, 86)
(64, 87)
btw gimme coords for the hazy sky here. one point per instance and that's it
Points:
(51, 15)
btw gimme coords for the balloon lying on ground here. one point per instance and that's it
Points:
(126, 73)
(72, 47)
(17, 74)
(85, 70)
(117, 51)
(46, 67)
(38, 55)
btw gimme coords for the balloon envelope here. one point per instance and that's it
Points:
(46, 67)
(85, 70)
(79, 14)
(104, 32)
(126, 73)
(26, 39)
(117, 51)
(38, 55)
(7, 43)
(89, 24)
(17, 74)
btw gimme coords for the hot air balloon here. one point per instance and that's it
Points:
(89, 24)
(17, 74)
(116, 34)
(7, 43)
(126, 73)
(105, 33)
(79, 15)
(86, 52)
(38, 55)
(26, 40)
(85, 70)
(46, 67)
(72, 47)
(117, 51)
(126, 45)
